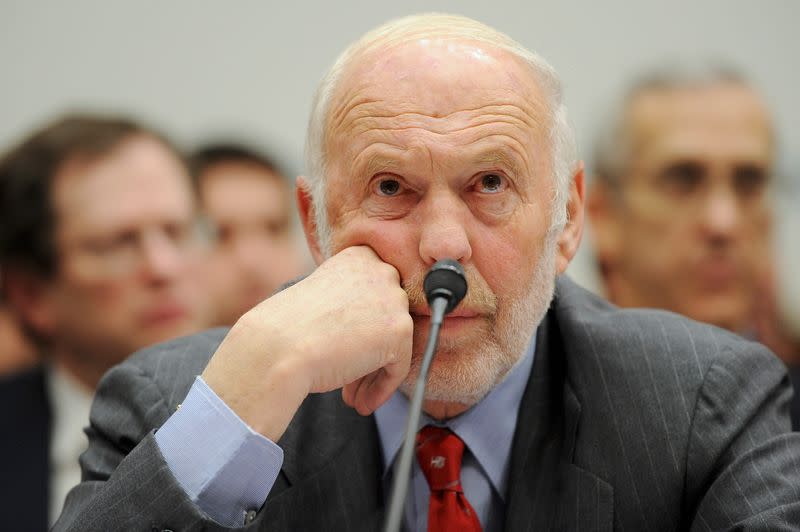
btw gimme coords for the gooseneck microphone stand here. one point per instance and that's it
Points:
(445, 286)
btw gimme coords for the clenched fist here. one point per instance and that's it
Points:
(345, 326)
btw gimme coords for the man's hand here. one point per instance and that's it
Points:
(346, 326)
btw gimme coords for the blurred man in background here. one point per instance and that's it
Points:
(778, 304)
(249, 203)
(680, 205)
(98, 250)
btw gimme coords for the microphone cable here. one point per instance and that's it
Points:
(445, 286)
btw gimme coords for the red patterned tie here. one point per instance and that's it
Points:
(439, 453)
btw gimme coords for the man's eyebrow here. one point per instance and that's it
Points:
(380, 163)
(501, 158)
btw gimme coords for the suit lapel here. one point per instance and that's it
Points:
(546, 490)
(330, 479)
(26, 417)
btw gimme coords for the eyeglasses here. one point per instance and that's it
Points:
(125, 252)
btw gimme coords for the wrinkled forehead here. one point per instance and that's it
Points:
(437, 77)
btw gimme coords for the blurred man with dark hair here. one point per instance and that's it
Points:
(680, 205)
(249, 202)
(97, 248)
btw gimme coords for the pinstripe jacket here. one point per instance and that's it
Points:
(631, 420)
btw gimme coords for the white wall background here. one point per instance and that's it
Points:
(200, 69)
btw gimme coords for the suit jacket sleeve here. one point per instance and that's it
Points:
(742, 463)
(127, 485)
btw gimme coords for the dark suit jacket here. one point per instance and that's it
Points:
(25, 419)
(631, 420)
(794, 375)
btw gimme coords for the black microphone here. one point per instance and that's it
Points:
(445, 286)
(445, 280)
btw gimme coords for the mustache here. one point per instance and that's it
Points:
(479, 298)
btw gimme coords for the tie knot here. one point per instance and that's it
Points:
(439, 452)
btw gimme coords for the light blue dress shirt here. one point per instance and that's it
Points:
(227, 469)
(487, 430)
(224, 467)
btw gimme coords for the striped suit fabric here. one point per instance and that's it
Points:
(631, 420)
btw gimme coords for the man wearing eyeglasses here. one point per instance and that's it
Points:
(97, 242)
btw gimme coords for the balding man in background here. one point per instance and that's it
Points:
(98, 255)
(680, 205)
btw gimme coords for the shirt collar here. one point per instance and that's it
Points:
(487, 428)
(71, 403)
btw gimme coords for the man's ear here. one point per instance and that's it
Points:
(305, 206)
(31, 297)
(570, 236)
(602, 207)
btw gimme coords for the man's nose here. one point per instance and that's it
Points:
(444, 234)
(162, 257)
(722, 213)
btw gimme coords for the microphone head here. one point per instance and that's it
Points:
(446, 279)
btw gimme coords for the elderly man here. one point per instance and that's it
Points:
(98, 260)
(434, 137)
(249, 203)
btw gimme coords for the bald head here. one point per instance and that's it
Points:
(430, 38)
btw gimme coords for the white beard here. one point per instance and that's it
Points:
(464, 371)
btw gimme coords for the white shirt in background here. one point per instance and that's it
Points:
(70, 402)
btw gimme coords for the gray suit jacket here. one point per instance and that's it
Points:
(631, 420)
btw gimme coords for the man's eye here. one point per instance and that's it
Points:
(178, 231)
(683, 177)
(492, 183)
(223, 233)
(389, 187)
(749, 179)
(123, 242)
